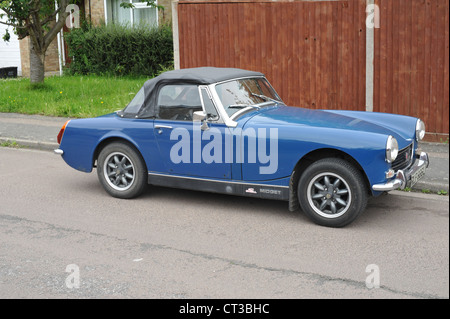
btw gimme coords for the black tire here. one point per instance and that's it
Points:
(332, 192)
(129, 176)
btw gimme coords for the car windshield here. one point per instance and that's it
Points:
(250, 93)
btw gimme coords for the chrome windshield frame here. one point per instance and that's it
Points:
(230, 120)
(208, 90)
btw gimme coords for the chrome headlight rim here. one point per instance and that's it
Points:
(420, 130)
(391, 149)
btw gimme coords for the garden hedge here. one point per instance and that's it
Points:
(120, 50)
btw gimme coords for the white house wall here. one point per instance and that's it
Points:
(9, 51)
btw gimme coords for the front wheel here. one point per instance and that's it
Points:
(121, 170)
(332, 192)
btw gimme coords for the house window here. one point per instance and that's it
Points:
(141, 14)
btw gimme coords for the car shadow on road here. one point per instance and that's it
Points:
(215, 200)
(378, 212)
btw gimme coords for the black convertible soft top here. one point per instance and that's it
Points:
(198, 76)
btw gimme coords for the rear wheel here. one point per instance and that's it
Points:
(121, 170)
(332, 192)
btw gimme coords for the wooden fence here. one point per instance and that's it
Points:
(314, 52)
(412, 61)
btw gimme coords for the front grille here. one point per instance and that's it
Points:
(404, 158)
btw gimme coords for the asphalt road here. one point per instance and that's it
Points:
(185, 244)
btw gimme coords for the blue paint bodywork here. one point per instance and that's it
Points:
(360, 135)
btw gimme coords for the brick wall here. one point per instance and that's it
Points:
(52, 58)
(25, 57)
(95, 10)
(166, 15)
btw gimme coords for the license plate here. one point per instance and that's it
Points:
(417, 176)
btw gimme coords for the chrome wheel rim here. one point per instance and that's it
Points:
(329, 195)
(119, 171)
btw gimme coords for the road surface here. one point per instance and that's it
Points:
(62, 236)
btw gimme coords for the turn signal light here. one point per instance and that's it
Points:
(61, 132)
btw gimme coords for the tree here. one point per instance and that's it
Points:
(38, 20)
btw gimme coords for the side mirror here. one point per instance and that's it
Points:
(199, 116)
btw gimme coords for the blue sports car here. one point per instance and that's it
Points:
(227, 131)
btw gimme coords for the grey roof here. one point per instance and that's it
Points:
(203, 75)
(200, 76)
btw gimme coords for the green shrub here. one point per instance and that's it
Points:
(120, 50)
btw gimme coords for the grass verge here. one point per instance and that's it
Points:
(68, 96)
(441, 192)
(12, 144)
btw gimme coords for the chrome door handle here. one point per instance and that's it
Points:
(163, 126)
(160, 127)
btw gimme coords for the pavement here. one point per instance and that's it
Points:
(39, 132)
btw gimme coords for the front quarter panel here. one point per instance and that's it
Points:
(296, 141)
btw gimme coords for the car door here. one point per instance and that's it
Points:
(188, 147)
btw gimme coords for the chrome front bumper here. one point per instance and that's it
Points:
(408, 177)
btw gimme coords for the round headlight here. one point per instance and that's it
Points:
(420, 130)
(391, 149)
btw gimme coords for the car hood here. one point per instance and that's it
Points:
(399, 126)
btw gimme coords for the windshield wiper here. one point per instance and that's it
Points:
(241, 106)
(265, 98)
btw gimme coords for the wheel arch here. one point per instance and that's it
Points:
(309, 159)
(110, 140)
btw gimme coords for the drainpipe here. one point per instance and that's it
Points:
(59, 44)
(106, 13)
(176, 41)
